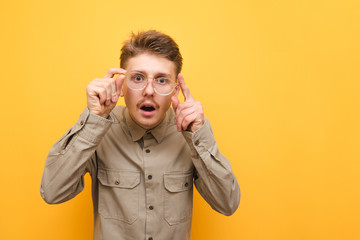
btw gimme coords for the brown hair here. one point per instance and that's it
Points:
(153, 42)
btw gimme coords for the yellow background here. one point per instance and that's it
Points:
(279, 81)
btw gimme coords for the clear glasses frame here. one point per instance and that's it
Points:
(128, 76)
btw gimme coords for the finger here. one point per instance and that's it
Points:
(118, 83)
(107, 85)
(112, 71)
(100, 92)
(175, 102)
(114, 95)
(184, 88)
(183, 115)
(182, 107)
(188, 120)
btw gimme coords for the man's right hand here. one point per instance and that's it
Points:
(103, 93)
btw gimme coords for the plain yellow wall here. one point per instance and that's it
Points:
(279, 81)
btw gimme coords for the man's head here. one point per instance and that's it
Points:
(151, 42)
(151, 56)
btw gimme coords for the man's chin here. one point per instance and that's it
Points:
(148, 125)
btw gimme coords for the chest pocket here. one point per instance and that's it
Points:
(119, 194)
(178, 197)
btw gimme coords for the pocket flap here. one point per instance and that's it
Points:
(178, 182)
(117, 178)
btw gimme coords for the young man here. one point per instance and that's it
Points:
(142, 158)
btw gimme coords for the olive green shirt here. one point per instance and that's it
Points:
(142, 180)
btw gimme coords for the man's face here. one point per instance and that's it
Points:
(146, 107)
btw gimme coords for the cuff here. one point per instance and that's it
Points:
(201, 140)
(93, 127)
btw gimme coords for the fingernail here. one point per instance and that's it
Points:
(108, 102)
(114, 98)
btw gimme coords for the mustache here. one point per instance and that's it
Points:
(147, 102)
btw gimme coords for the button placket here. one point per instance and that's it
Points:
(149, 142)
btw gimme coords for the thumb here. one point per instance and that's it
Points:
(119, 82)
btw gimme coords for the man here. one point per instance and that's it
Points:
(142, 158)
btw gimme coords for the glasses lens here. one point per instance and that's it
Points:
(136, 81)
(164, 85)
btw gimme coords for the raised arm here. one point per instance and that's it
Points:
(214, 178)
(74, 154)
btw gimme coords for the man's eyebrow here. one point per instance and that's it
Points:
(163, 74)
(137, 71)
(156, 74)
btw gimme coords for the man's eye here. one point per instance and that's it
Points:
(138, 78)
(162, 80)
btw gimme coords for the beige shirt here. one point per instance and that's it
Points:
(142, 181)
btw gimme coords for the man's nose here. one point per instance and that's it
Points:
(149, 89)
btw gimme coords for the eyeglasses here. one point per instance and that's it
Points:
(138, 81)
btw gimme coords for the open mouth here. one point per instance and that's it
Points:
(147, 108)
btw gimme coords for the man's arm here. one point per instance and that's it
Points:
(214, 180)
(70, 158)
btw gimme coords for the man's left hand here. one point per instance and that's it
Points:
(189, 115)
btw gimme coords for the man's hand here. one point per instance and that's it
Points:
(103, 93)
(189, 115)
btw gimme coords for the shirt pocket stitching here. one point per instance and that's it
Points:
(178, 197)
(119, 194)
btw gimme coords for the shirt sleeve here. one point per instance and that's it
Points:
(71, 157)
(214, 178)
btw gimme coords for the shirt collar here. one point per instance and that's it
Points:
(138, 132)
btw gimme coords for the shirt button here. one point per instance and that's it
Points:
(117, 182)
(186, 184)
(151, 207)
(197, 142)
(150, 177)
(147, 150)
(150, 238)
(81, 122)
